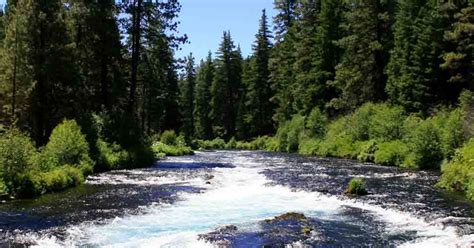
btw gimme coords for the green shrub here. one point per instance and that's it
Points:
(110, 156)
(216, 143)
(450, 127)
(391, 153)
(309, 147)
(360, 122)
(470, 189)
(160, 150)
(338, 146)
(458, 174)
(232, 144)
(316, 124)
(67, 146)
(262, 143)
(3, 190)
(290, 133)
(425, 146)
(366, 150)
(16, 152)
(61, 178)
(386, 123)
(356, 187)
(169, 137)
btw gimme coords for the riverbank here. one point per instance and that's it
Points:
(382, 134)
(72, 153)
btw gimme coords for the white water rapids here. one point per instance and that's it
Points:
(241, 196)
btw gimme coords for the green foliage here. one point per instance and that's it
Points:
(366, 150)
(225, 89)
(458, 174)
(337, 142)
(392, 153)
(356, 187)
(359, 127)
(67, 146)
(231, 144)
(258, 91)
(316, 124)
(161, 149)
(60, 178)
(470, 190)
(111, 156)
(450, 127)
(309, 147)
(216, 143)
(169, 137)
(202, 99)
(425, 146)
(360, 72)
(386, 123)
(16, 151)
(187, 97)
(290, 133)
(376, 121)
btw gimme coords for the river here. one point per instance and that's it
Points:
(234, 198)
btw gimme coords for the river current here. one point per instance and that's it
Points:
(229, 199)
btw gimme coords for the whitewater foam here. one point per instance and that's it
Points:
(240, 196)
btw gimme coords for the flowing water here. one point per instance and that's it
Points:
(180, 200)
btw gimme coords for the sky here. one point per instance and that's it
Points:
(204, 21)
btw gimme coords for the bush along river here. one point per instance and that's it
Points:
(244, 199)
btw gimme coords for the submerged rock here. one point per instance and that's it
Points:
(286, 230)
(221, 237)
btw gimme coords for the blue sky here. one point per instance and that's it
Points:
(205, 20)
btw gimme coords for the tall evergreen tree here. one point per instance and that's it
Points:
(306, 89)
(413, 70)
(284, 18)
(226, 88)
(57, 86)
(245, 114)
(96, 36)
(460, 60)
(202, 99)
(359, 76)
(282, 60)
(326, 53)
(15, 70)
(187, 97)
(259, 90)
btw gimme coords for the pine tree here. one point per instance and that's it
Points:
(285, 17)
(282, 60)
(413, 70)
(56, 91)
(15, 70)
(306, 88)
(359, 76)
(96, 36)
(326, 53)
(225, 88)
(245, 114)
(460, 61)
(187, 97)
(259, 90)
(202, 99)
